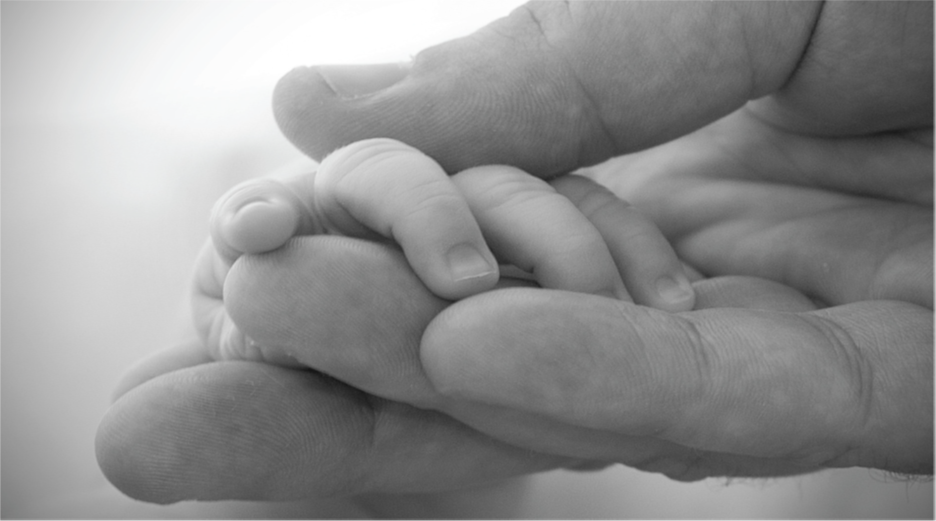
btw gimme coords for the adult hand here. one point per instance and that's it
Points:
(772, 389)
(186, 427)
(749, 391)
(549, 90)
(836, 96)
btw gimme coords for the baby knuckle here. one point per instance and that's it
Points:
(361, 157)
(495, 187)
(435, 204)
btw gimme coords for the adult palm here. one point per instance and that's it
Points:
(841, 219)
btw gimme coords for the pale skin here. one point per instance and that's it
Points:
(382, 189)
(807, 165)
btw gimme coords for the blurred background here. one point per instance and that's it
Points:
(122, 122)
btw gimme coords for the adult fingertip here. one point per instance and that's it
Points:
(444, 349)
(513, 103)
(128, 457)
(180, 356)
(293, 95)
(309, 103)
(229, 431)
(469, 350)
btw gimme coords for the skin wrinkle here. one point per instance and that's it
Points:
(794, 166)
(342, 192)
(689, 62)
(522, 89)
(524, 191)
(780, 145)
(859, 371)
(592, 107)
(810, 267)
(813, 173)
(376, 418)
(807, 174)
(888, 254)
(623, 315)
(894, 255)
(875, 269)
(874, 356)
(714, 384)
(495, 196)
(827, 95)
(751, 63)
(702, 353)
(426, 206)
(315, 223)
(596, 202)
(805, 52)
(684, 244)
(805, 266)
(521, 190)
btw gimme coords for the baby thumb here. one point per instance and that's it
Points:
(553, 86)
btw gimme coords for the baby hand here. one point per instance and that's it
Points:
(571, 234)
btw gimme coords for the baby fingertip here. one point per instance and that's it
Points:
(259, 226)
(469, 271)
(466, 262)
(676, 292)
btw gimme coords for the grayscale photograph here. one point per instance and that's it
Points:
(296, 259)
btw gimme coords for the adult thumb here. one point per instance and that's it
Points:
(555, 85)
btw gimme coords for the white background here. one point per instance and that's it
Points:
(121, 123)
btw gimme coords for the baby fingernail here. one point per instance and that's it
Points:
(466, 262)
(674, 289)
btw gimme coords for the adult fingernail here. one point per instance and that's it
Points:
(352, 81)
(674, 289)
(466, 262)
